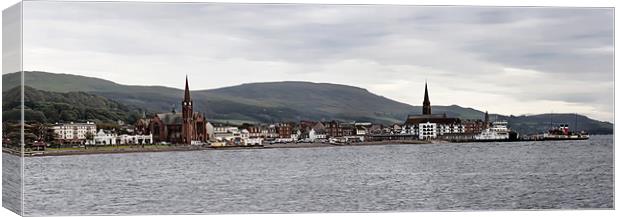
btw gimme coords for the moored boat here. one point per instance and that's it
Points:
(497, 132)
(562, 132)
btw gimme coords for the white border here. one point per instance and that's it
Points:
(565, 3)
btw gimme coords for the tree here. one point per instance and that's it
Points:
(49, 135)
(89, 136)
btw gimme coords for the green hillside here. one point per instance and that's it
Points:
(279, 101)
(50, 107)
(259, 102)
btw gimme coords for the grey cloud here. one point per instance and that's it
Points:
(470, 46)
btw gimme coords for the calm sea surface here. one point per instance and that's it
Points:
(480, 176)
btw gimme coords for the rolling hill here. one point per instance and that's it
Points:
(50, 107)
(276, 101)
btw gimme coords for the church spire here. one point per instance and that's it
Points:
(426, 105)
(187, 130)
(187, 97)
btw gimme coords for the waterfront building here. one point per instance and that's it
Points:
(319, 126)
(305, 124)
(348, 129)
(76, 133)
(110, 138)
(360, 130)
(333, 129)
(427, 130)
(317, 134)
(105, 138)
(428, 125)
(303, 133)
(180, 128)
(223, 132)
(209, 130)
(396, 129)
(135, 139)
(270, 132)
(284, 130)
(254, 131)
(296, 135)
(378, 129)
(473, 126)
(228, 135)
(244, 134)
(141, 126)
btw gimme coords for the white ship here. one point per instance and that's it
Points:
(497, 132)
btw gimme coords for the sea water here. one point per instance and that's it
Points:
(451, 176)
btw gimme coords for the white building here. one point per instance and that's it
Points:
(210, 130)
(431, 126)
(317, 135)
(450, 128)
(234, 136)
(103, 138)
(361, 130)
(244, 134)
(135, 139)
(296, 135)
(427, 130)
(75, 132)
(269, 132)
(221, 133)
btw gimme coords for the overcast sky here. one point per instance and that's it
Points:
(505, 60)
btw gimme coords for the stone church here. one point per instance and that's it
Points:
(180, 128)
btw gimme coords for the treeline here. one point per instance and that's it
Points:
(50, 107)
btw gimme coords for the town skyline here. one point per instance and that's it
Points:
(502, 60)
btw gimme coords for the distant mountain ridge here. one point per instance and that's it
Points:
(273, 101)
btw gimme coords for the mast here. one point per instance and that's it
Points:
(575, 122)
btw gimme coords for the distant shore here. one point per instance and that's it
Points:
(160, 148)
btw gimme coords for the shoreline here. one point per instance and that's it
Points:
(92, 151)
(160, 148)
(320, 145)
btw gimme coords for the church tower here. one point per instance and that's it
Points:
(426, 105)
(187, 128)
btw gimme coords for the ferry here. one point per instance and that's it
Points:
(497, 132)
(562, 132)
